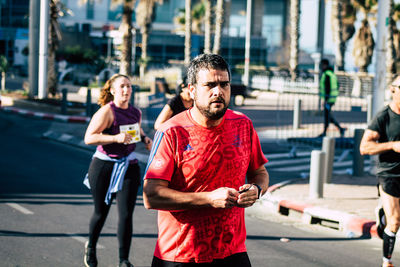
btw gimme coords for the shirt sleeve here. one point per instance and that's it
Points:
(161, 163)
(257, 156)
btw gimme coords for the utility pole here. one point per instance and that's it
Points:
(380, 56)
(247, 45)
(43, 46)
(34, 14)
(321, 28)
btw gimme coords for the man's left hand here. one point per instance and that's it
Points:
(248, 196)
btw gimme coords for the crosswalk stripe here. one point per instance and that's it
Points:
(20, 208)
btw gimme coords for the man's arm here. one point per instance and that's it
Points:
(157, 195)
(370, 146)
(259, 177)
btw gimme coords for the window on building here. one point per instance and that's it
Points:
(90, 9)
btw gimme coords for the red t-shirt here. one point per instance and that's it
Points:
(198, 159)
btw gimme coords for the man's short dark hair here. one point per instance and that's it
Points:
(206, 61)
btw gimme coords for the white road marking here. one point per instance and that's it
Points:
(19, 208)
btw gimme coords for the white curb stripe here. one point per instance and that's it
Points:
(82, 239)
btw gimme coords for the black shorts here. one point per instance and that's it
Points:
(390, 185)
(235, 260)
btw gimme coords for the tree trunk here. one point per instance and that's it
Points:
(55, 37)
(294, 37)
(207, 28)
(219, 12)
(391, 52)
(188, 31)
(126, 47)
(363, 46)
(143, 65)
(3, 81)
(337, 31)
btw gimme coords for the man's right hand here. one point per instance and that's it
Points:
(223, 197)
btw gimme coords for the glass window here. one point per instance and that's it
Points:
(273, 19)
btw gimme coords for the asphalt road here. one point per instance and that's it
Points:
(45, 209)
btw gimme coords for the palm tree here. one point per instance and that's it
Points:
(294, 37)
(126, 29)
(342, 19)
(219, 13)
(188, 31)
(145, 15)
(391, 51)
(207, 27)
(3, 69)
(396, 33)
(56, 7)
(364, 41)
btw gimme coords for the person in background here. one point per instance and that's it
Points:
(180, 102)
(383, 138)
(114, 170)
(329, 91)
(196, 175)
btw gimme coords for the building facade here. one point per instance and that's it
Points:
(99, 18)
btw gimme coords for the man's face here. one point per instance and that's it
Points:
(212, 93)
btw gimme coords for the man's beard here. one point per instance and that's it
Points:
(206, 110)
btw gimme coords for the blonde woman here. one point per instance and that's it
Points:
(114, 170)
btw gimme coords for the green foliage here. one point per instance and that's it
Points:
(3, 64)
(77, 54)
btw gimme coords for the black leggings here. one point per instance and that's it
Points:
(328, 117)
(99, 179)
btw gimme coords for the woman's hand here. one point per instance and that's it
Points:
(123, 138)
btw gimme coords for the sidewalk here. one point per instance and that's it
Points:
(347, 205)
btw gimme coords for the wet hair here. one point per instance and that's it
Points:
(105, 94)
(206, 61)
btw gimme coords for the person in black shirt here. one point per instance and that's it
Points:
(180, 102)
(383, 138)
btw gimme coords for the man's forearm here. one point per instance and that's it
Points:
(164, 198)
(374, 148)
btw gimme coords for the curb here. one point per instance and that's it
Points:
(46, 116)
(349, 224)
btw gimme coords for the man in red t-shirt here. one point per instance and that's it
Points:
(196, 175)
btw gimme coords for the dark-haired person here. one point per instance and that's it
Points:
(383, 138)
(196, 175)
(114, 170)
(329, 91)
(180, 102)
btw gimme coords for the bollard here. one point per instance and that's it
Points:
(316, 174)
(369, 108)
(89, 102)
(64, 101)
(297, 114)
(358, 159)
(328, 146)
